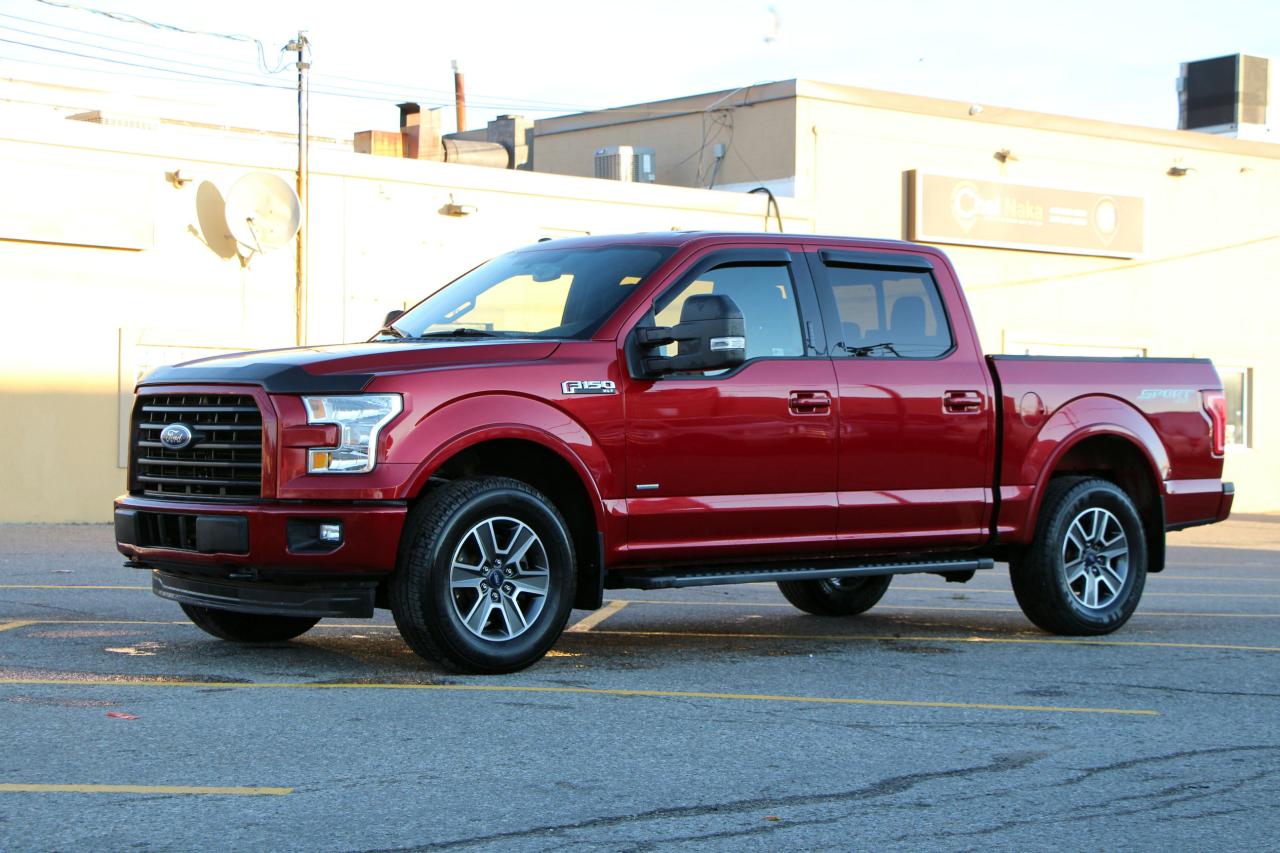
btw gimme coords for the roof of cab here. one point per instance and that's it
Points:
(694, 238)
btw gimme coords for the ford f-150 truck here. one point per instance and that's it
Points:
(656, 411)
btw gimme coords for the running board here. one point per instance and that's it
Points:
(670, 580)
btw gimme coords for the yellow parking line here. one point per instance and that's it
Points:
(591, 620)
(64, 586)
(935, 608)
(1162, 577)
(1223, 547)
(1197, 614)
(16, 788)
(589, 691)
(924, 638)
(27, 622)
(1055, 641)
(1147, 593)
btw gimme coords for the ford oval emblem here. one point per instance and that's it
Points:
(176, 436)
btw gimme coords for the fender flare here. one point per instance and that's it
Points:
(1119, 420)
(462, 423)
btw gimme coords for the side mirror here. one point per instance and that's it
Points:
(392, 316)
(710, 336)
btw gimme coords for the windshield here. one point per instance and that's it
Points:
(534, 293)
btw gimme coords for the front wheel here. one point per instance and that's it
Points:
(1084, 572)
(836, 596)
(486, 576)
(248, 627)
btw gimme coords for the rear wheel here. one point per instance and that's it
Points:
(1085, 570)
(836, 596)
(486, 576)
(248, 627)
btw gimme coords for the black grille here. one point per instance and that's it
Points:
(223, 460)
(163, 530)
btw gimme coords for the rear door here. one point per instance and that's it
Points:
(739, 462)
(915, 402)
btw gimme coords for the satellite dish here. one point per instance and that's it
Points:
(262, 212)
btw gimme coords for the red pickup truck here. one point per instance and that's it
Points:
(655, 411)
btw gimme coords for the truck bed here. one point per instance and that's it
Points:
(1050, 402)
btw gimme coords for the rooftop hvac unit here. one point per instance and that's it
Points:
(626, 163)
(1227, 95)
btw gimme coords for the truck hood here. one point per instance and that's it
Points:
(343, 368)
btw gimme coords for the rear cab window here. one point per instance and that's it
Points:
(887, 313)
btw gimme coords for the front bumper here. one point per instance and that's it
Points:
(353, 599)
(259, 540)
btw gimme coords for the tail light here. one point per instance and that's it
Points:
(1215, 404)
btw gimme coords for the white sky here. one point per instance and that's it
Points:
(1108, 59)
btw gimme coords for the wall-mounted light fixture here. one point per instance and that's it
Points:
(177, 179)
(455, 209)
(1179, 171)
(1004, 155)
(975, 109)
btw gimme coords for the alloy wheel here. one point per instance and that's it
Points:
(498, 578)
(1095, 558)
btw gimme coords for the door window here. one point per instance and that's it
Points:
(889, 313)
(764, 292)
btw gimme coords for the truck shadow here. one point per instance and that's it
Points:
(376, 655)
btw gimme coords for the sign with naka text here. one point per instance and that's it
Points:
(973, 212)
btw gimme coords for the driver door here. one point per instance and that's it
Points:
(739, 462)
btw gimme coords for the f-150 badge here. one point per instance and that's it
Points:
(589, 386)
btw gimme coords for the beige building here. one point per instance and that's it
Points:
(1071, 236)
(115, 257)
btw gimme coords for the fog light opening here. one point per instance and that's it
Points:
(314, 536)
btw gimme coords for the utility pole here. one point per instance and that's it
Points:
(304, 136)
(459, 98)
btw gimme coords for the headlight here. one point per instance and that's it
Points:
(359, 419)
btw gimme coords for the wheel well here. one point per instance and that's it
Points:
(1120, 461)
(549, 473)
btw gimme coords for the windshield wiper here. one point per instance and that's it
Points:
(863, 351)
(461, 333)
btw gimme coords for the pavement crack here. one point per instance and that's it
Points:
(1202, 692)
(1090, 772)
(884, 787)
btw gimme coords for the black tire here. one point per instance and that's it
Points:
(248, 627)
(836, 596)
(1052, 579)
(439, 621)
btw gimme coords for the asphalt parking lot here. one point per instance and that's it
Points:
(719, 718)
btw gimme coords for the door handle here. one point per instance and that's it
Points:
(809, 402)
(962, 402)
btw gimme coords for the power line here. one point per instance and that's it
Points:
(139, 65)
(390, 91)
(113, 38)
(496, 101)
(121, 51)
(182, 73)
(327, 91)
(134, 19)
(386, 92)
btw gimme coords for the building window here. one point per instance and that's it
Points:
(1238, 384)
